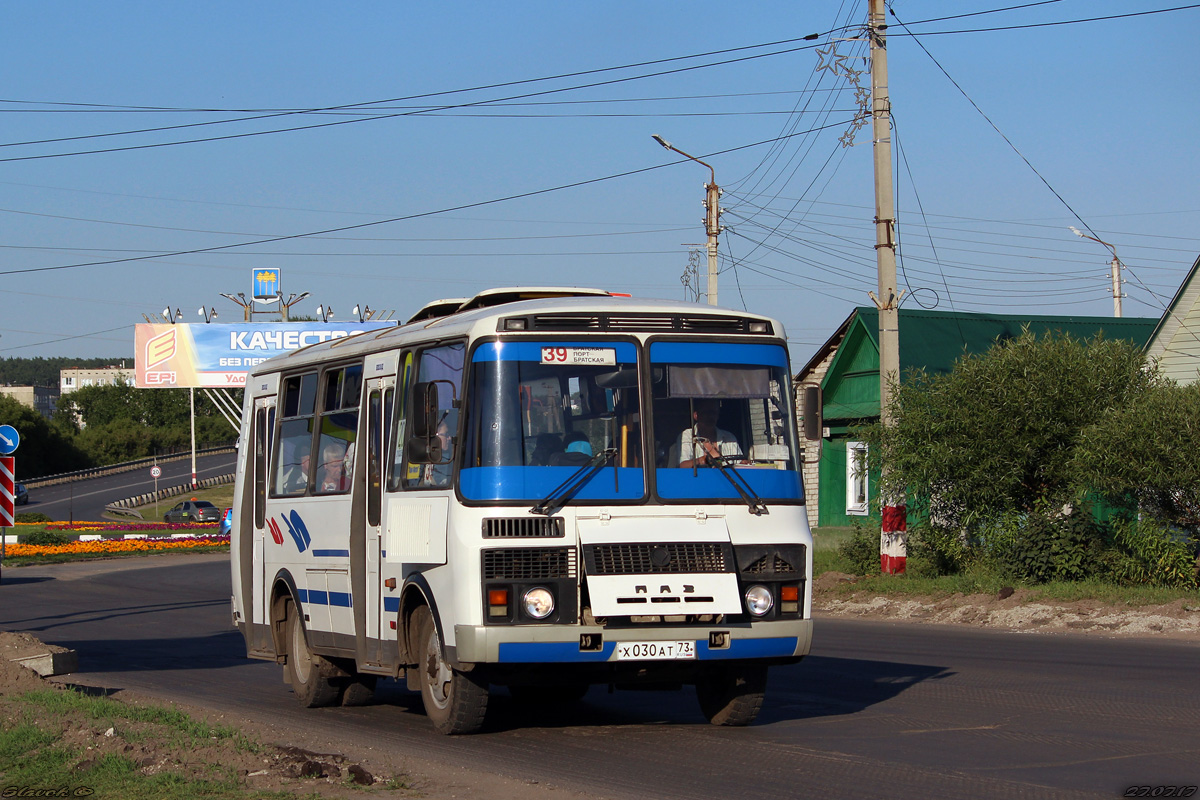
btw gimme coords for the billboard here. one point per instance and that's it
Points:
(219, 355)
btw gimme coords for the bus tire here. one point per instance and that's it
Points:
(359, 691)
(455, 702)
(732, 696)
(307, 671)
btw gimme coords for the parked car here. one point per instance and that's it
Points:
(193, 511)
(22, 495)
(227, 522)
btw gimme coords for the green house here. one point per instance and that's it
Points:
(846, 369)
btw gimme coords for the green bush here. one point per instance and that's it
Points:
(32, 516)
(48, 537)
(1149, 553)
(861, 551)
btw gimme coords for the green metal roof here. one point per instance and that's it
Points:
(934, 340)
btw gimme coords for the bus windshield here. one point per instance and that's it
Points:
(722, 404)
(538, 411)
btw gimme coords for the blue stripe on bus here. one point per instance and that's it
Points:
(317, 597)
(551, 652)
(532, 351)
(391, 604)
(718, 353)
(530, 483)
(562, 652)
(749, 648)
(769, 484)
(331, 553)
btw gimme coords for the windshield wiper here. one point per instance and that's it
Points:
(560, 494)
(738, 482)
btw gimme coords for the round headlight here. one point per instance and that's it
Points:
(758, 600)
(539, 603)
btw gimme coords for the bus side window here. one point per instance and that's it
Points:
(375, 443)
(292, 468)
(264, 421)
(334, 462)
(440, 368)
(396, 400)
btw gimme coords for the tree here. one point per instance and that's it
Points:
(44, 449)
(999, 433)
(1148, 451)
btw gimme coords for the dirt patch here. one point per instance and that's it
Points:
(1012, 610)
(260, 757)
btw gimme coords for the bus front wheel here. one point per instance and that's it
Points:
(307, 671)
(732, 696)
(455, 701)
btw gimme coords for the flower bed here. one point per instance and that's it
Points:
(121, 527)
(104, 546)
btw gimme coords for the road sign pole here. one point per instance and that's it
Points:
(8, 491)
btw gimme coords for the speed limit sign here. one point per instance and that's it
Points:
(156, 472)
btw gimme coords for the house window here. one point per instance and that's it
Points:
(856, 478)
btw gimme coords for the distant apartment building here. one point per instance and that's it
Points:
(43, 399)
(75, 378)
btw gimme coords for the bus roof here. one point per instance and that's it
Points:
(536, 310)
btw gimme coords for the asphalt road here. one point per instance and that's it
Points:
(85, 499)
(879, 710)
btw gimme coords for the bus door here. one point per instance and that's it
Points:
(261, 436)
(380, 399)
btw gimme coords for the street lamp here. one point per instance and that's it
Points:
(325, 313)
(712, 225)
(1116, 269)
(241, 301)
(291, 301)
(365, 314)
(172, 318)
(209, 316)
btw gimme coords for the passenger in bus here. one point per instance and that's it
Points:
(545, 446)
(577, 451)
(295, 475)
(703, 440)
(439, 474)
(331, 473)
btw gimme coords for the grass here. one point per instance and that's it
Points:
(219, 496)
(920, 580)
(53, 740)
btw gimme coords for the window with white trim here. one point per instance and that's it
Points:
(856, 478)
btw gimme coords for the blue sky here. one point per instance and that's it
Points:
(1105, 111)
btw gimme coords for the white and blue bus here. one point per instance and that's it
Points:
(538, 489)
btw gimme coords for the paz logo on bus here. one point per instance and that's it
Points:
(9, 439)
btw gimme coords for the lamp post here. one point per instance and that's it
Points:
(291, 301)
(191, 389)
(1116, 269)
(241, 301)
(712, 216)
(325, 313)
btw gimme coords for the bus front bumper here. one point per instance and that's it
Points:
(538, 644)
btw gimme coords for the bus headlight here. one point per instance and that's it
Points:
(758, 600)
(539, 603)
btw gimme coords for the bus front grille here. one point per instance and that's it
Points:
(523, 528)
(529, 563)
(647, 559)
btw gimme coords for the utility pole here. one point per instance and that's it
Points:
(712, 216)
(1115, 265)
(893, 539)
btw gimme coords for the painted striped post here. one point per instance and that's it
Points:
(8, 488)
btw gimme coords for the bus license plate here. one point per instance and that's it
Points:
(627, 651)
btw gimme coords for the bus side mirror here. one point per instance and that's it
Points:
(813, 423)
(423, 416)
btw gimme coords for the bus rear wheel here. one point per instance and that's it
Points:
(732, 696)
(307, 672)
(455, 701)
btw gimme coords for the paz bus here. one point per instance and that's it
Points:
(538, 489)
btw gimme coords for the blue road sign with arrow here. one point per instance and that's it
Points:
(9, 439)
